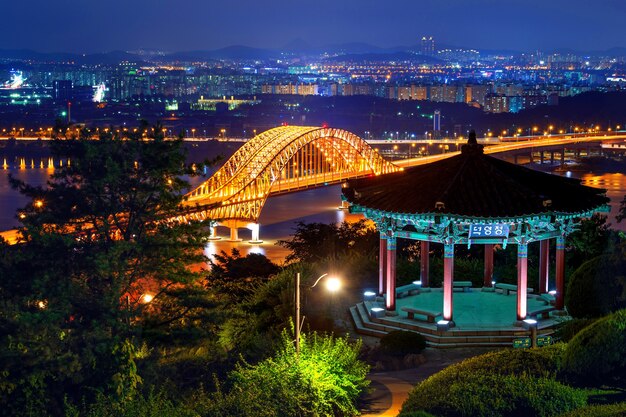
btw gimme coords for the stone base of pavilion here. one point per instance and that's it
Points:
(481, 318)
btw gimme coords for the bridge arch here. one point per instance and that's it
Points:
(280, 160)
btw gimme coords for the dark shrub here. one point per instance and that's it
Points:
(400, 343)
(417, 414)
(606, 410)
(460, 393)
(544, 362)
(596, 288)
(152, 405)
(597, 355)
(502, 383)
(570, 328)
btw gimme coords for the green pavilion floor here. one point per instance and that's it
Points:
(482, 318)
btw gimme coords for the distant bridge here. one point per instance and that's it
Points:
(281, 160)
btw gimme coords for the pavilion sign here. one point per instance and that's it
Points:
(489, 230)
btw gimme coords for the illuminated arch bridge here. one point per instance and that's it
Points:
(281, 160)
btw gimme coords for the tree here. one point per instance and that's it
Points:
(95, 241)
(314, 242)
(593, 238)
(237, 276)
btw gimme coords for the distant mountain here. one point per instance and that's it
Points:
(108, 58)
(30, 55)
(612, 52)
(298, 45)
(385, 57)
(230, 52)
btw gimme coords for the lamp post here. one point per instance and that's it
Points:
(332, 285)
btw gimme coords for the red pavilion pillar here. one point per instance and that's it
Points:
(560, 273)
(391, 274)
(488, 277)
(544, 262)
(424, 263)
(382, 264)
(448, 277)
(522, 280)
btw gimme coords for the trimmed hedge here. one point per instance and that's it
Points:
(567, 330)
(544, 362)
(468, 394)
(596, 288)
(605, 410)
(502, 383)
(400, 343)
(417, 414)
(597, 355)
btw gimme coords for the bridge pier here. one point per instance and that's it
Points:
(234, 235)
(254, 228)
(541, 157)
(563, 157)
(552, 157)
(532, 158)
(213, 232)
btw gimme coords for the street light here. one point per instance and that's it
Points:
(332, 284)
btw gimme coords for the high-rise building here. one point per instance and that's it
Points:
(62, 90)
(437, 123)
(428, 46)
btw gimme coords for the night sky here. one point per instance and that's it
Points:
(182, 25)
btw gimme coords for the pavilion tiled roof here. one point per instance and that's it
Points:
(473, 184)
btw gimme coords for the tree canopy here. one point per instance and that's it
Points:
(98, 244)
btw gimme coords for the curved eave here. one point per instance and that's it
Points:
(432, 216)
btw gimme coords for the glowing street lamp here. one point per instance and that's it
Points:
(146, 298)
(332, 284)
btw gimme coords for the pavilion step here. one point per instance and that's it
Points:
(367, 322)
(359, 325)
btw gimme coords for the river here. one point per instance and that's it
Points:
(280, 214)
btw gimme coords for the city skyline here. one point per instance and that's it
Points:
(68, 26)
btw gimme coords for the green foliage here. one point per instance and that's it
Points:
(236, 277)
(597, 287)
(570, 328)
(71, 292)
(592, 239)
(152, 405)
(502, 383)
(325, 379)
(400, 343)
(597, 355)
(260, 319)
(417, 414)
(605, 410)
(480, 394)
(314, 242)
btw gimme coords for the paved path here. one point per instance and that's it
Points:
(390, 389)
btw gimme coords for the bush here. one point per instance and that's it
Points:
(502, 383)
(606, 410)
(152, 405)
(464, 393)
(597, 355)
(417, 414)
(325, 379)
(544, 362)
(400, 343)
(596, 288)
(570, 328)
